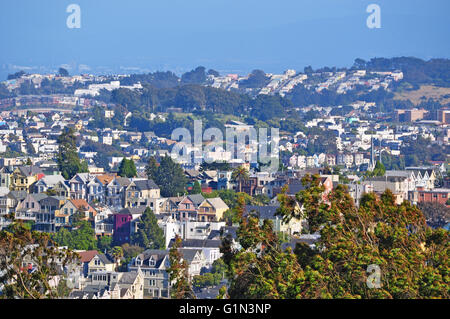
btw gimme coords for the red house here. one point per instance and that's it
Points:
(437, 195)
(122, 228)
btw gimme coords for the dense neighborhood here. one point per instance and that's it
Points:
(66, 173)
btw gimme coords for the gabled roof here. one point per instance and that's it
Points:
(217, 203)
(145, 184)
(192, 172)
(83, 177)
(122, 181)
(6, 170)
(189, 254)
(105, 179)
(30, 170)
(157, 255)
(176, 200)
(197, 199)
(39, 196)
(104, 259)
(51, 180)
(128, 278)
(82, 204)
(87, 256)
(18, 195)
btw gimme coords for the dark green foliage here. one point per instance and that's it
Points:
(197, 76)
(413, 259)
(221, 166)
(82, 237)
(104, 243)
(16, 75)
(212, 278)
(169, 176)
(257, 79)
(158, 79)
(213, 73)
(127, 168)
(68, 161)
(416, 71)
(63, 72)
(197, 188)
(149, 234)
(379, 170)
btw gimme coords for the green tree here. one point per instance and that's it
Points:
(379, 169)
(260, 269)
(151, 168)
(82, 237)
(20, 246)
(104, 243)
(240, 174)
(127, 168)
(197, 188)
(117, 254)
(68, 161)
(169, 176)
(63, 72)
(178, 273)
(412, 258)
(149, 234)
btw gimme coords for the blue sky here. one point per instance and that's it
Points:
(227, 35)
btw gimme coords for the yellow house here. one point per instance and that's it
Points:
(101, 263)
(212, 209)
(23, 177)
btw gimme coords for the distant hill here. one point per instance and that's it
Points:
(416, 71)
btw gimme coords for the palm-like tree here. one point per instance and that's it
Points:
(117, 253)
(240, 174)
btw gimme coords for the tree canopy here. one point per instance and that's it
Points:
(169, 176)
(377, 250)
(68, 161)
(149, 235)
(127, 168)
